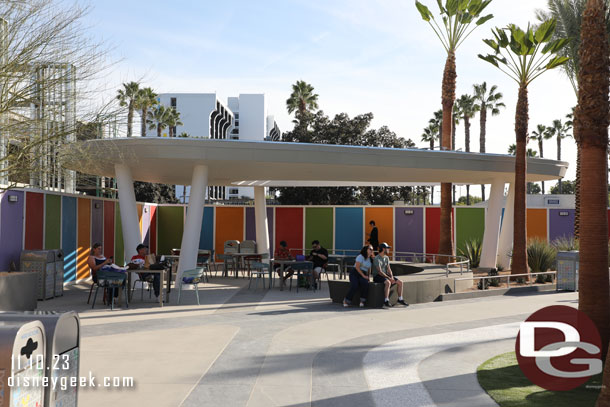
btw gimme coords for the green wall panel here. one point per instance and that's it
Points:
(470, 223)
(52, 222)
(119, 247)
(170, 223)
(319, 225)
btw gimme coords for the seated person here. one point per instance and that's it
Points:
(359, 276)
(382, 273)
(140, 261)
(283, 253)
(97, 261)
(319, 257)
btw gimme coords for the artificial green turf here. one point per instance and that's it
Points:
(503, 380)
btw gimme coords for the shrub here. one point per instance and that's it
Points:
(494, 282)
(499, 268)
(472, 251)
(565, 244)
(540, 256)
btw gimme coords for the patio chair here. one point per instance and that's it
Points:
(305, 268)
(258, 269)
(228, 263)
(111, 281)
(194, 277)
(148, 280)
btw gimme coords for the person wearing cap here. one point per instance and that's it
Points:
(382, 273)
(140, 261)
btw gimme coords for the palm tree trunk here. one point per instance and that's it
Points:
(591, 131)
(448, 99)
(143, 124)
(467, 148)
(541, 156)
(577, 192)
(482, 134)
(129, 118)
(519, 260)
(159, 130)
(559, 159)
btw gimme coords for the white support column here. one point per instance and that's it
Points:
(493, 217)
(506, 235)
(260, 214)
(194, 219)
(129, 210)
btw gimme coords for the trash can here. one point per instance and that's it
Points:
(43, 263)
(59, 273)
(247, 246)
(231, 246)
(62, 352)
(22, 363)
(567, 271)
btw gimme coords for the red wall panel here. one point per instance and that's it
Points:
(289, 227)
(433, 226)
(34, 220)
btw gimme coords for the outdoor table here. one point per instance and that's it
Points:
(162, 277)
(283, 263)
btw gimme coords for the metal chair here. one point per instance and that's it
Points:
(194, 277)
(258, 269)
(112, 280)
(148, 280)
(228, 263)
(306, 268)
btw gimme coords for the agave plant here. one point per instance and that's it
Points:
(472, 251)
(540, 255)
(565, 244)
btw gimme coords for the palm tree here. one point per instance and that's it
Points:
(173, 120)
(540, 134)
(127, 97)
(591, 127)
(144, 100)
(530, 153)
(158, 118)
(432, 133)
(467, 108)
(560, 131)
(491, 101)
(523, 55)
(457, 117)
(302, 100)
(459, 19)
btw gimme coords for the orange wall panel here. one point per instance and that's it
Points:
(536, 224)
(83, 237)
(229, 226)
(384, 220)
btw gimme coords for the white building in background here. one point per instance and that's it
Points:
(244, 117)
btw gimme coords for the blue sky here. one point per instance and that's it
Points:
(360, 55)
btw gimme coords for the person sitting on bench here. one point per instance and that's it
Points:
(359, 276)
(382, 273)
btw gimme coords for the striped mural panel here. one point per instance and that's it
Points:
(251, 225)
(34, 221)
(153, 229)
(97, 222)
(536, 224)
(206, 237)
(11, 228)
(409, 230)
(384, 220)
(319, 226)
(289, 227)
(433, 229)
(229, 226)
(469, 224)
(561, 223)
(170, 224)
(145, 227)
(68, 236)
(119, 247)
(52, 222)
(349, 230)
(108, 244)
(83, 237)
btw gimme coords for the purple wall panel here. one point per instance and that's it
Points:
(97, 221)
(561, 225)
(11, 228)
(251, 225)
(409, 230)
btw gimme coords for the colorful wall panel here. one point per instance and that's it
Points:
(119, 246)
(289, 227)
(34, 221)
(469, 224)
(83, 237)
(52, 222)
(97, 222)
(536, 224)
(349, 229)
(229, 226)
(319, 226)
(145, 227)
(384, 220)
(409, 230)
(561, 223)
(68, 236)
(109, 221)
(251, 225)
(170, 224)
(11, 228)
(206, 239)
(153, 229)
(433, 229)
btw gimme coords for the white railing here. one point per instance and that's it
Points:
(457, 261)
(507, 277)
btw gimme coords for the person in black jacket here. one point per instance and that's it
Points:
(374, 236)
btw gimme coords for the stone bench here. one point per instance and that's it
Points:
(339, 288)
